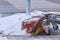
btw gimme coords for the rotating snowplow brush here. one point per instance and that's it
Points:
(34, 25)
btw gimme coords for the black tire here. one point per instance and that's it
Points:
(55, 28)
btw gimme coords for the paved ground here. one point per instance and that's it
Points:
(19, 37)
(55, 35)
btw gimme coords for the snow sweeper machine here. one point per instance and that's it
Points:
(38, 24)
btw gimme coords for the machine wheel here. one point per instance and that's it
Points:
(55, 27)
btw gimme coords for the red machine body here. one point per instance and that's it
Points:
(32, 23)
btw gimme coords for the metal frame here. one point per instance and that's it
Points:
(28, 3)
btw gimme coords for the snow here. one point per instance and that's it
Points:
(58, 13)
(3, 38)
(11, 25)
(37, 13)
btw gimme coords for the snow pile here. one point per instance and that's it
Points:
(12, 24)
(3, 38)
(58, 13)
(37, 13)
